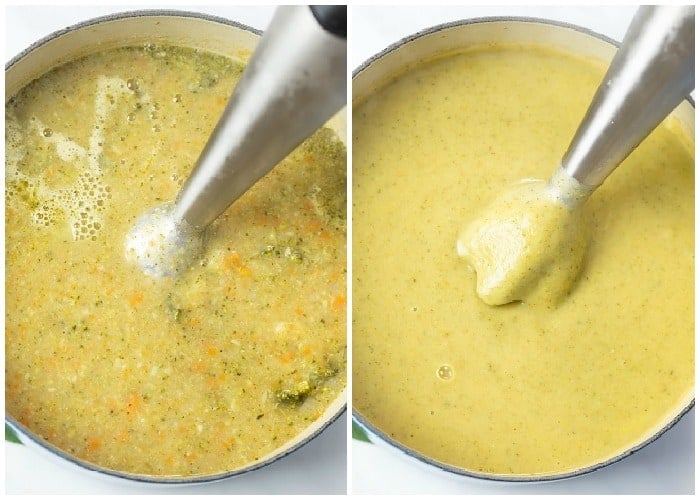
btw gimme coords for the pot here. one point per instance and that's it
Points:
(452, 37)
(187, 29)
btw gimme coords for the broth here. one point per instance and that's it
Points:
(198, 375)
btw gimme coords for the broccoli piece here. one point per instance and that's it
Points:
(295, 396)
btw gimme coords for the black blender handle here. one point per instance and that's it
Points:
(332, 18)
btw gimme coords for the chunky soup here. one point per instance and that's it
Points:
(195, 375)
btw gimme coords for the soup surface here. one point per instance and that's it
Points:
(519, 389)
(197, 375)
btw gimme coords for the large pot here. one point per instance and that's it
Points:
(188, 29)
(428, 44)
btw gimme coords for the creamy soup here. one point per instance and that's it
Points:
(195, 375)
(520, 389)
(529, 244)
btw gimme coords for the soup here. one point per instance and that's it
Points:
(169, 377)
(521, 389)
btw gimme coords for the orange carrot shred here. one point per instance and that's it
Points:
(135, 299)
(338, 302)
(93, 444)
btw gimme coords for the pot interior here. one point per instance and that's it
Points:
(460, 36)
(173, 28)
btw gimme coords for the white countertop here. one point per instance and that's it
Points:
(665, 466)
(318, 467)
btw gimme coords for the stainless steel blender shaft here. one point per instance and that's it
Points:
(653, 71)
(295, 81)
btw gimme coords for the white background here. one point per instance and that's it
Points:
(665, 466)
(318, 467)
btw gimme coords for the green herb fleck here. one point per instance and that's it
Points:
(359, 433)
(11, 435)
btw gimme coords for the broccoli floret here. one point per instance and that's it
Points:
(295, 396)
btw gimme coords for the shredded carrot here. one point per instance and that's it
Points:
(135, 299)
(215, 381)
(233, 261)
(267, 220)
(228, 443)
(133, 404)
(198, 367)
(338, 302)
(11, 387)
(299, 311)
(306, 351)
(93, 444)
(212, 351)
(192, 322)
(286, 357)
(314, 226)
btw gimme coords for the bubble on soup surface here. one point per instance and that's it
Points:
(445, 372)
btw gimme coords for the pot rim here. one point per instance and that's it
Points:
(118, 16)
(485, 20)
(405, 450)
(42, 443)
